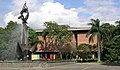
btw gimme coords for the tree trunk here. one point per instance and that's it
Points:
(66, 57)
(44, 44)
(60, 55)
(70, 56)
(98, 42)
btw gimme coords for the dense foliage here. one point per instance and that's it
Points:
(111, 45)
(95, 31)
(8, 40)
(58, 36)
(32, 36)
(9, 37)
(84, 51)
(108, 40)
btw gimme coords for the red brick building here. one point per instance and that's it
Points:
(79, 36)
(50, 52)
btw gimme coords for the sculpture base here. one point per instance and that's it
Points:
(23, 52)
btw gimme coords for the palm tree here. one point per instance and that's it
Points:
(95, 31)
(110, 38)
(117, 22)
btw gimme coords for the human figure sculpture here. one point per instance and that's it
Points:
(24, 18)
(24, 10)
(23, 48)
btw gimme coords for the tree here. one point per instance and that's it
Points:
(49, 33)
(57, 35)
(84, 47)
(84, 51)
(9, 36)
(2, 32)
(110, 42)
(95, 31)
(3, 45)
(66, 51)
(32, 36)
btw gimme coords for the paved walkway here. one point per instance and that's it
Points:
(77, 66)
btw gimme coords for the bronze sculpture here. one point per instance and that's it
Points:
(24, 22)
(24, 10)
(22, 48)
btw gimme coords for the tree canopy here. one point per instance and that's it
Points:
(9, 37)
(57, 34)
(95, 31)
(108, 37)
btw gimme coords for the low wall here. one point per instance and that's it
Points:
(24, 64)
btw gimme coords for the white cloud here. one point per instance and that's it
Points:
(10, 17)
(49, 10)
(105, 10)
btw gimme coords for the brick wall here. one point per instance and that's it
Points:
(81, 38)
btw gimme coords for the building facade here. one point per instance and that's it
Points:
(78, 38)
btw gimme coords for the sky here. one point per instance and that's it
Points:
(75, 13)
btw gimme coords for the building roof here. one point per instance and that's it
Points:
(72, 29)
(39, 30)
(79, 28)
